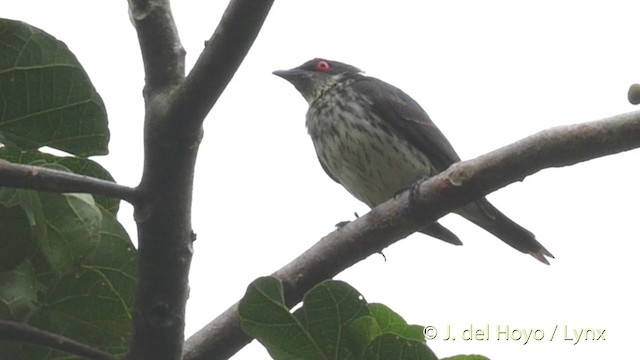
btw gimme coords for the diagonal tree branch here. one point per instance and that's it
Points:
(43, 179)
(225, 51)
(15, 331)
(429, 200)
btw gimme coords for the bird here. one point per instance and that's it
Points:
(375, 140)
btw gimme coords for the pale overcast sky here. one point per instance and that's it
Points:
(488, 73)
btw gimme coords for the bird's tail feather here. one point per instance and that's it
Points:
(485, 215)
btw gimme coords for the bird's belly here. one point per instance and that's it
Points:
(369, 162)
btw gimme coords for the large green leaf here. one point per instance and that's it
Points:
(18, 291)
(71, 270)
(67, 265)
(91, 302)
(46, 98)
(72, 227)
(367, 332)
(15, 238)
(61, 229)
(334, 322)
(360, 333)
(328, 308)
(390, 322)
(265, 317)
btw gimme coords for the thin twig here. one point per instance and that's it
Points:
(397, 218)
(10, 330)
(44, 179)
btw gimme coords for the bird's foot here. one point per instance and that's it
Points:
(397, 194)
(414, 188)
(342, 224)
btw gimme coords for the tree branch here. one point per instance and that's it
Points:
(163, 214)
(162, 52)
(10, 330)
(175, 110)
(225, 51)
(429, 200)
(44, 179)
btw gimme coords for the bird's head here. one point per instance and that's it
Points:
(317, 76)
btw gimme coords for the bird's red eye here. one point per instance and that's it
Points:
(322, 66)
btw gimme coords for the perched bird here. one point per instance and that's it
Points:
(375, 140)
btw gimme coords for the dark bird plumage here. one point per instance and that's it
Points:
(375, 140)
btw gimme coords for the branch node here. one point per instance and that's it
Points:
(458, 175)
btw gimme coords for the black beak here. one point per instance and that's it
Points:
(300, 79)
(290, 75)
(282, 73)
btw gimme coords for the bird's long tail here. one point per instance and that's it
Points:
(485, 215)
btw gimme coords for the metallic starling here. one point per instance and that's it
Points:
(375, 140)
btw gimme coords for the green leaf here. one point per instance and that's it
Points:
(18, 292)
(79, 166)
(265, 317)
(91, 303)
(360, 333)
(390, 346)
(328, 308)
(66, 227)
(315, 331)
(76, 275)
(15, 237)
(388, 329)
(46, 98)
(466, 357)
(8, 196)
(334, 322)
(391, 322)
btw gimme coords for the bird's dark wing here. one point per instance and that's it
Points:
(407, 119)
